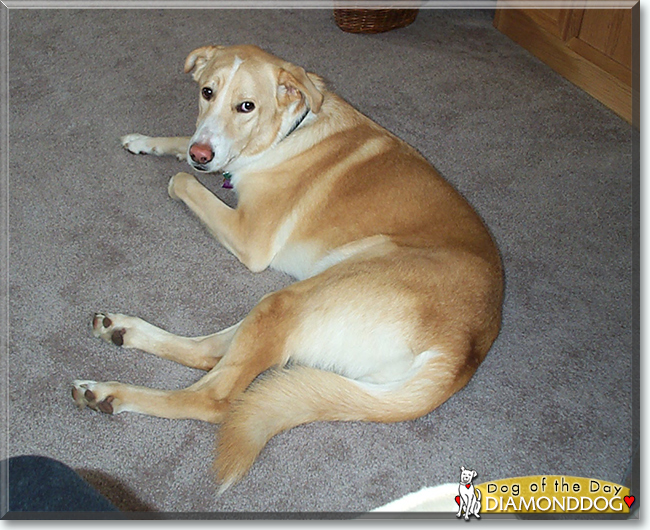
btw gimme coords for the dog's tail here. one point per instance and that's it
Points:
(285, 398)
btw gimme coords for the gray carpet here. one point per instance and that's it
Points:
(91, 228)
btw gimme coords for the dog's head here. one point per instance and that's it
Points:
(249, 101)
(467, 475)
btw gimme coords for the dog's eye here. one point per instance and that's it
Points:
(246, 107)
(207, 93)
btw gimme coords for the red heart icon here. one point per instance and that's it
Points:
(467, 485)
(629, 500)
(458, 500)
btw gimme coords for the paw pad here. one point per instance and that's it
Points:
(117, 337)
(87, 394)
(107, 328)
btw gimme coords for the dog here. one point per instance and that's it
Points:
(468, 498)
(399, 290)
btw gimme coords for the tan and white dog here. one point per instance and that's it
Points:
(400, 290)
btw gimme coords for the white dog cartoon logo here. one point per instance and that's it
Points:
(468, 498)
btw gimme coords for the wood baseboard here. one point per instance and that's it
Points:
(585, 71)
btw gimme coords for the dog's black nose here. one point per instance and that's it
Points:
(201, 153)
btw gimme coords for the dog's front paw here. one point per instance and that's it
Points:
(96, 396)
(110, 327)
(137, 144)
(178, 184)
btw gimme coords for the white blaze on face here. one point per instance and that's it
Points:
(211, 129)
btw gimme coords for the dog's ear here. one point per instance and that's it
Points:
(474, 474)
(462, 469)
(197, 59)
(294, 83)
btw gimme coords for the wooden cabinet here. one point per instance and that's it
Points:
(597, 49)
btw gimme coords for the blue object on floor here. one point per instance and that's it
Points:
(41, 484)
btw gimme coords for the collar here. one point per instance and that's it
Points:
(297, 123)
(227, 176)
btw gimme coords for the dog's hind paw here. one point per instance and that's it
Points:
(107, 326)
(94, 395)
(138, 144)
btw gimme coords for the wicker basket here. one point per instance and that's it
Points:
(373, 20)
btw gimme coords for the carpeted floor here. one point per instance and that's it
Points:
(91, 228)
